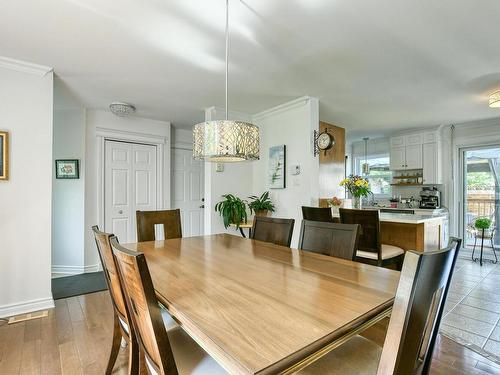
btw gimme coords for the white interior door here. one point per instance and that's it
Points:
(130, 175)
(188, 191)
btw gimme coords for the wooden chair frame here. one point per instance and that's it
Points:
(352, 229)
(120, 309)
(323, 214)
(287, 223)
(146, 221)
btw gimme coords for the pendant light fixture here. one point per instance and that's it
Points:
(366, 167)
(226, 140)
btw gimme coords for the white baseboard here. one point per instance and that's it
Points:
(75, 270)
(26, 307)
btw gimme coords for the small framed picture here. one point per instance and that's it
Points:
(4, 155)
(67, 169)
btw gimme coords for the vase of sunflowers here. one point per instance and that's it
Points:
(358, 186)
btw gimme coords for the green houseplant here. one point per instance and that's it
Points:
(482, 223)
(261, 205)
(233, 210)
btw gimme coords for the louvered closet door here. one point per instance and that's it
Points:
(130, 184)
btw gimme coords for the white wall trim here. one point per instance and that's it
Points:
(26, 307)
(282, 107)
(183, 145)
(23, 66)
(75, 270)
(103, 135)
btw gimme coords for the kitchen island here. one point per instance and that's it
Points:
(412, 232)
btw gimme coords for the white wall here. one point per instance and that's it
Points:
(235, 179)
(291, 124)
(26, 111)
(68, 196)
(96, 120)
(182, 138)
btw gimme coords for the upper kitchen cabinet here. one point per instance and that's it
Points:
(406, 152)
(418, 151)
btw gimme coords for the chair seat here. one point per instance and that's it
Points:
(388, 251)
(358, 356)
(189, 357)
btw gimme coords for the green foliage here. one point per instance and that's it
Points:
(480, 181)
(482, 223)
(233, 210)
(261, 203)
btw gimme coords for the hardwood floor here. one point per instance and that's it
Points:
(75, 339)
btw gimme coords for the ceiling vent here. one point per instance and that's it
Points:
(121, 109)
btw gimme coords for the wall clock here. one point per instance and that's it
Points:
(323, 141)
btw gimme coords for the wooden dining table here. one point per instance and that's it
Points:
(259, 308)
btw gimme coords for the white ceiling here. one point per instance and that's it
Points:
(374, 65)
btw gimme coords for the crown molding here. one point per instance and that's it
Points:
(299, 102)
(24, 67)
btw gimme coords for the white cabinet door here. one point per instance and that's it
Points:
(430, 163)
(129, 185)
(397, 141)
(188, 191)
(414, 157)
(397, 158)
(430, 137)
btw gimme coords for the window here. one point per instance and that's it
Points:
(380, 176)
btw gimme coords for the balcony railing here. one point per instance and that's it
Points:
(480, 207)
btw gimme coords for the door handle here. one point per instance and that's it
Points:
(202, 206)
(120, 212)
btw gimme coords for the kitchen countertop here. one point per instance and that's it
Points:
(409, 219)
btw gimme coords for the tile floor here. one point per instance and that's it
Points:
(472, 310)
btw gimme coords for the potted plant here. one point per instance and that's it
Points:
(233, 210)
(483, 223)
(358, 187)
(335, 203)
(261, 205)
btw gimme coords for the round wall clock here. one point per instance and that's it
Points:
(324, 141)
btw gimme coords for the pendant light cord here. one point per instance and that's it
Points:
(227, 56)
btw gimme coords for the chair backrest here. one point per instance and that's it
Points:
(336, 240)
(323, 214)
(144, 309)
(417, 311)
(146, 221)
(369, 237)
(111, 273)
(273, 230)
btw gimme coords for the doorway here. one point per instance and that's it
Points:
(130, 184)
(481, 195)
(188, 191)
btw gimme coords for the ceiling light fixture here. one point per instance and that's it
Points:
(226, 140)
(495, 99)
(121, 109)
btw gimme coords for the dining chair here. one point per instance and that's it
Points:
(413, 326)
(121, 326)
(323, 214)
(370, 249)
(165, 349)
(169, 219)
(273, 230)
(336, 240)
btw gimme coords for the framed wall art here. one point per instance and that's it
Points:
(4, 155)
(277, 167)
(67, 169)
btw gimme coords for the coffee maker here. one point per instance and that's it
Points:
(430, 197)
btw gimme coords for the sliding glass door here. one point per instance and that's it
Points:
(481, 190)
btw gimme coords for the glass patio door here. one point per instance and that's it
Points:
(481, 171)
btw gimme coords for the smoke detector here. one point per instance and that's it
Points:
(121, 109)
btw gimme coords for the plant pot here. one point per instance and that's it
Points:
(261, 213)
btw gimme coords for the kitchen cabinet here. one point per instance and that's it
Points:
(406, 157)
(397, 158)
(418, 151)
(431, 164)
